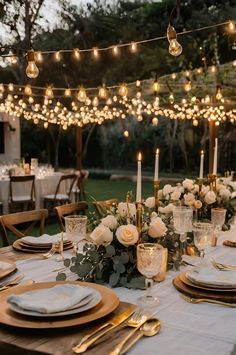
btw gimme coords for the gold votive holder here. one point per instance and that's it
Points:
(139, 211)
(156, 189)
(212, 181)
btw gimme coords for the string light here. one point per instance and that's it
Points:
(188, 86)
(126, 134)
(10, 87)
(102, 93)
(115, 50)
(76, 53)
(49, 92)
(95, 53)
(219, 95)
(175, 48)
(67, 92)
(38, 57)
(173, 76)
(231, 26)
(82, 96)
(156, 86)
(2, 89)
(13, 60)
(123, 90)
(31, 70)
(28, 90)
(133, 47)
(213, 69)
(155, 121)
(57, 56)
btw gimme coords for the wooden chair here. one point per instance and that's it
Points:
(26, 200)
(26, 220)
(1, 208)
(57, 199)
(68, 209)
(101, 207)
(83, 177)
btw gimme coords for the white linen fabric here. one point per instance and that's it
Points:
(187, 329)
(50, 300)
(4, 265)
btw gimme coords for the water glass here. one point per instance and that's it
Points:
(183, 218)
(218, 218)
(149, 264)
(75, 227)
(203, 233)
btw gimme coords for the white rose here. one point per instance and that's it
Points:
(219, 187)
(224, 193)
(126, 209)
(189, 199)
(150, 202)
(175, 195)
(167, 209)
(127, 234)
(188, 184)
(233, 194)
(157, 228)
(110, 221)
(196, 189)
(101, 235)
(210, 197)
(167, 189)
(153, 215)
(160, 194)
(198, 204)
(205, 189)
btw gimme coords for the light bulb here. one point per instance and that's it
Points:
(76, 53)
(95, 53)
(28, 90)
(57, 56)
(123, 90)
(10, 87)
(81, 96)
(32, 70)
(67, 92)
(14, 60)
(156, 86)
(175, 48)
(115, 50)
(102, 93)
(213, 69)
(231, 26)
(49, 92)
(133, 47)
(1, 88)
(188, 86)
(171, 98)
(173, 76)
(219, 95)
(45, 124)
(38, 57)
(155, 121)
(126, 134)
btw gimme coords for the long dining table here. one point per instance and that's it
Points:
(187, 329)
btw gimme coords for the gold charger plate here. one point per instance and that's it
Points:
(9, 270)
(40, 246)
(17, 245)
(186, 281)
(108, 304)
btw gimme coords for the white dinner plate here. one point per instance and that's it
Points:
(211, 276)
(86, 304)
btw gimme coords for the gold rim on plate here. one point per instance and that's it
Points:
(212, 285)
(108, 304)
(18, 245)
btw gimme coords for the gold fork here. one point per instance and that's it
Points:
(208, 300)
(138, 318)
(222, 267)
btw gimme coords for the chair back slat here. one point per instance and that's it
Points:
(68, 209)
(67, 177)
(10, 221)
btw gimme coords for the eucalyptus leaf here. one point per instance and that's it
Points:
(124, 258)
(119, 268)
(110, 250)
(84, 269)
(61, 277)
(79, 258)
(114, 278)
(67, 262)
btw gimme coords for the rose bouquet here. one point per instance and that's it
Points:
(111, 255)
(187, 193)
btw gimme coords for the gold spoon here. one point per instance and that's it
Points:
(149, 328)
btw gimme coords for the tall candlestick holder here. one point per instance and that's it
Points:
(139, 211)
(200, 195)
(156, 189)
(212, 182)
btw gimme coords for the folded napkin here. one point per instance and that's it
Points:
(230, 243)
(50, 300)
(4, 265)
(43, 239)
(211, 276)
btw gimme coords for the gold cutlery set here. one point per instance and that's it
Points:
(142, 326)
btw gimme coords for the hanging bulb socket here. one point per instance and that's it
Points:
(175, 48)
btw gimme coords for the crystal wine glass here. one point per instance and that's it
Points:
(203, 233)
(183, 217)
(149, 263)
(218, 218)
(75, 227)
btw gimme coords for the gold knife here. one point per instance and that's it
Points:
(86, 342)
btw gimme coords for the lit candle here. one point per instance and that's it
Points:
(215, 157)
(156, 171)
(139, 180)
(201, 165)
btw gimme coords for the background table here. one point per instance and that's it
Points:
(187, 329)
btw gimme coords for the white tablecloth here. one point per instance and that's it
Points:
(187, 329)
(43, 186)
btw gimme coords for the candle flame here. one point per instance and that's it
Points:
(202, 152)
(139, 156)
(157, 151)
